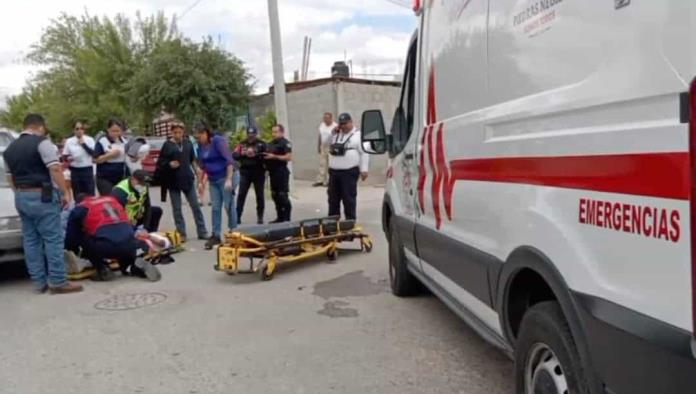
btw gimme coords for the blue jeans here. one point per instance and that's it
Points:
(43, 238)
(221, 198)
(192, 198)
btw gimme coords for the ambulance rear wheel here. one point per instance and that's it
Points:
(402, 281)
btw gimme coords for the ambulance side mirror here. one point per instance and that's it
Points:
(374, 135)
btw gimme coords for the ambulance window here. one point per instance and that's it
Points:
(403, 120)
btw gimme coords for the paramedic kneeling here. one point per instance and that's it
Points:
(133, 195)
(100, 227)
(347, 162)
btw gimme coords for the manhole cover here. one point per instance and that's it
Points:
(124, 302)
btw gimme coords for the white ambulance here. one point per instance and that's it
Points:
(542, 184)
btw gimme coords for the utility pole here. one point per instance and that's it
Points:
(281, 104)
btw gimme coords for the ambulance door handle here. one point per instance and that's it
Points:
(409, 156)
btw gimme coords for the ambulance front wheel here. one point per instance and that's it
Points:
(401, 280)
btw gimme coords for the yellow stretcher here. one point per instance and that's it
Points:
(284, 243)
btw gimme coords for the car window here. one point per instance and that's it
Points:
(402, 134)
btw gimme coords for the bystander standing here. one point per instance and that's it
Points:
(326, 129)
(35, 170)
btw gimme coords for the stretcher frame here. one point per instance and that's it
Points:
(273, 254)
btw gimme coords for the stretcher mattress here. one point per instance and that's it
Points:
(279, 231)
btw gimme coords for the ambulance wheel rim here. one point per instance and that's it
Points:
(543, 372)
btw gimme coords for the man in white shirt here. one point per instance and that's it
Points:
(347, 162)
(79, 150)
(326, 129)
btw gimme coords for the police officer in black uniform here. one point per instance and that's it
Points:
(277, 158)
(250, 154)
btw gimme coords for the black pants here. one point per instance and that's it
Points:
(97, 249)
(151, 220)
(280, 191)
(343, 187)
(258, 179)
(105, 184)
(82, 181)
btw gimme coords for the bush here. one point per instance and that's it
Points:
(264, 123)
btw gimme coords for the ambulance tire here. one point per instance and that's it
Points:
(546, 358)
(402, 281)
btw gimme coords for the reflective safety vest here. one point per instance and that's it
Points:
(134, 205)
(102, 211)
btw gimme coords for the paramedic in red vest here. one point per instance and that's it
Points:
(100, 227)
(133, 194)
(347, 163)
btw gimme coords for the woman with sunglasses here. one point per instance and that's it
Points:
(78, 151)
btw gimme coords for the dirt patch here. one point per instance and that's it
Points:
(337, 309)
(352, 284)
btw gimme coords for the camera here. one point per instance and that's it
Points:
(337, 149)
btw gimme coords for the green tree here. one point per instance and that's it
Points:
(96, 68)
(194, 80)
(265, 123)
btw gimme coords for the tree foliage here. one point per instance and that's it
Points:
(264, 123)
(194, 80)
(95, 68)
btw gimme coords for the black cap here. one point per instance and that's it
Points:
(142, 176)
(344, 118)
(252, 130)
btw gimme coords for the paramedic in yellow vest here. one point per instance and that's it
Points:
(133, 194)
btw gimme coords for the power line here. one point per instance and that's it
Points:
(187, 10)
(401, 3)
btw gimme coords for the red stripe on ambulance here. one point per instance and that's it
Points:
(662, 175)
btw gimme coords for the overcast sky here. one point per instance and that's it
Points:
(373, 33)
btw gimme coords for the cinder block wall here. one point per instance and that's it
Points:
(307, 106)
(305, 110)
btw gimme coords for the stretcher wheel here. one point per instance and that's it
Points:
(332, 255)
(367, 247)
(265, 275)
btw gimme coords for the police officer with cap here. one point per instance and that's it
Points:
(277, 158)
(348, 162)
(35, 170)
(250, 154)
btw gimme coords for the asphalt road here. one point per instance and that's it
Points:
(315, 328)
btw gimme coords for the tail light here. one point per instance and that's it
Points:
(692, 204)
(417, 5)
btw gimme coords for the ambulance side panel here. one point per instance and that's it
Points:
(556, 125)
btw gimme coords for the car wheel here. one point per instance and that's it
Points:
(546, 360)
(402, 281)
